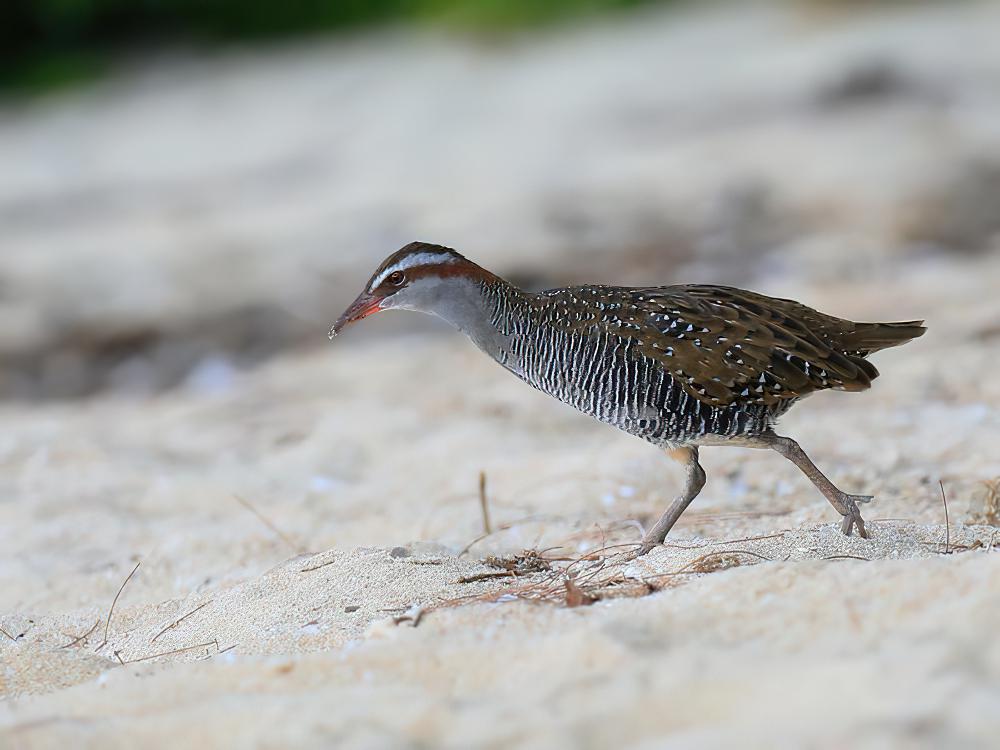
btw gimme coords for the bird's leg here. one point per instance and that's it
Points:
(695, 481)
(846, 505)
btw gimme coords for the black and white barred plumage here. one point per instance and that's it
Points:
(604, 375)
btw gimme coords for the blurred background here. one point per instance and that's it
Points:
(191, 191)
(193, 187)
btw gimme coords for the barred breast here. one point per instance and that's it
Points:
(608, 377)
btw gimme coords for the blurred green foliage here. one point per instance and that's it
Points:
(49, 43)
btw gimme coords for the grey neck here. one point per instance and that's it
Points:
(469, 307)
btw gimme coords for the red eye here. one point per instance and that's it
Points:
(396, 278)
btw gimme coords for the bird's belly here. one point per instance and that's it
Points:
(630, 392)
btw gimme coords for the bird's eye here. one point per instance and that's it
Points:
(396, 278)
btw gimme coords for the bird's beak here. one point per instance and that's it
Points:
(365, 305)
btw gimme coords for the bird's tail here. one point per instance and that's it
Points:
(872, 337)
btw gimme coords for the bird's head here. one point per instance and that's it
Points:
(419, 276)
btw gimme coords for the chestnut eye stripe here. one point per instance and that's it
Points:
(412, 261)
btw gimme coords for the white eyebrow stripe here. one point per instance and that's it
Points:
(411, 261)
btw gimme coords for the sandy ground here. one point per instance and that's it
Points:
(305, 536)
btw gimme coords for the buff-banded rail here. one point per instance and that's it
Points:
(680, 366)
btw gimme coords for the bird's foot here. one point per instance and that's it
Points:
(650, 541)
(852, 515)
(645, 548)
(634, 552)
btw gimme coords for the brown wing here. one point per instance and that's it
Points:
(725, 345)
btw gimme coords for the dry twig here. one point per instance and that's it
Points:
(484, 506)
(111, 611)
(529, 561)
(213, 642)
(947, 525)
(179, 620)
(476, 577)
(583, 580)
(317, 567)
(82, 637)
(278, 532)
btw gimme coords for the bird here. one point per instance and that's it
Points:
(683, 366)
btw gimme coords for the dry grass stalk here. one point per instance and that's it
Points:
(488, 575)
(179, 620)
(529, 561)
(323, 564)
(111, 611)
(278, 532)
(484, 507)
(947, 524)
(213, 642)
(584, 579)
(84, 637)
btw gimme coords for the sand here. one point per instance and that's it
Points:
(284, 545)
(759, 613)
